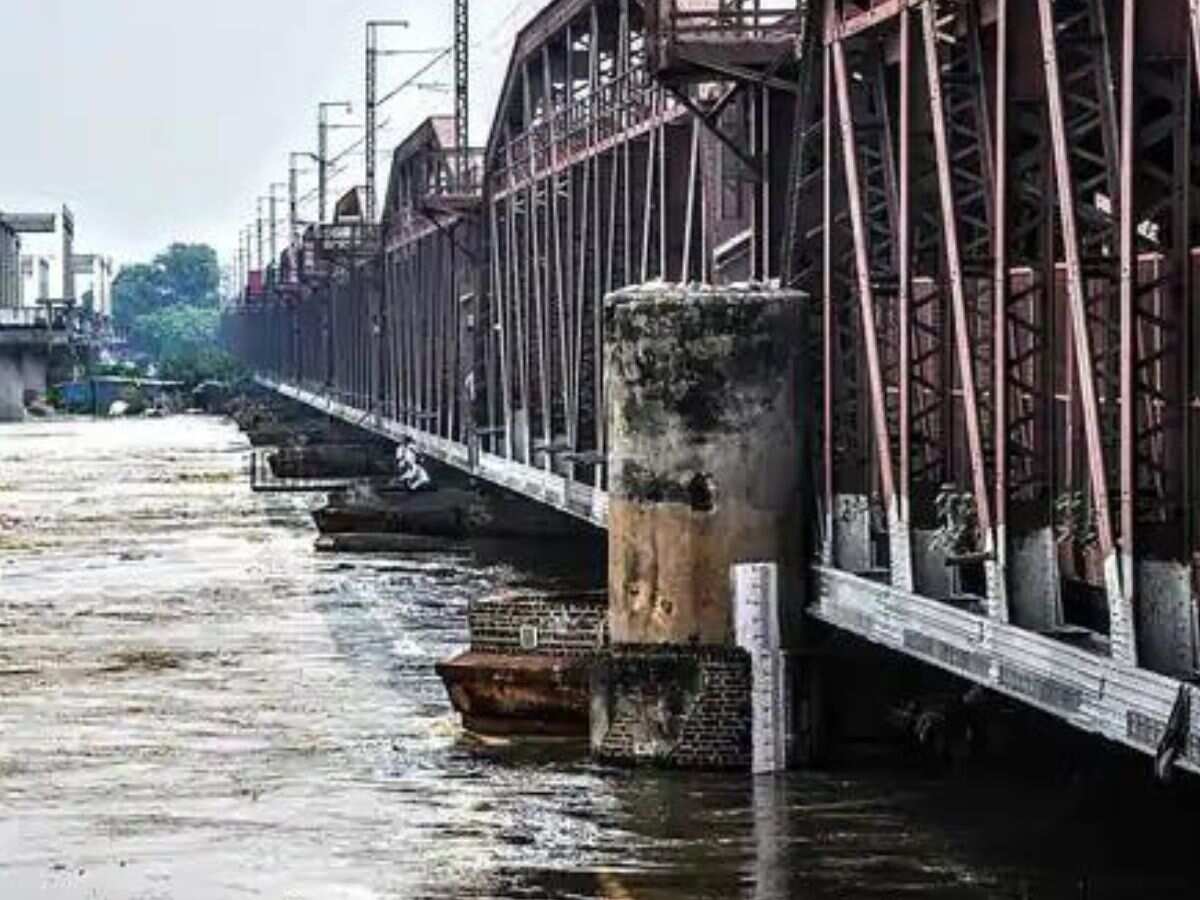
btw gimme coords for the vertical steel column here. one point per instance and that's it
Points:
(1191, 381)
(997, 605)
(462, 92)
(1120, 614)
(293, 204)
(1194, 17)
(596, 321)
(1128, 286)
(803, 224)
(322, 161)
(902, 562)
(865, 288)
(240, 273)
(372, 63)
(274, 244)
(259, 228)
(1000, 295)
(828, 552)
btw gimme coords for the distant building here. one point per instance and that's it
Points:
(98, 271)
(48, 245)
(35, 279)
(10, 260)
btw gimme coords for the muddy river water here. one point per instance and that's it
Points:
(194, 704)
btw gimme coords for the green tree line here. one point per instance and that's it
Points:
(170, 308)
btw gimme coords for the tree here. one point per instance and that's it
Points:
(191, 274)
(173, 330)
(170, 308)
(183, 274)
(136, 291)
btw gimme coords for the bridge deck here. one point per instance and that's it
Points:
(1090, 690)
(571, 497)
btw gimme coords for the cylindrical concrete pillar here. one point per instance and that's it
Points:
(704, 454)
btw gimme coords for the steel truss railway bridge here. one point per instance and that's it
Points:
(992, 207)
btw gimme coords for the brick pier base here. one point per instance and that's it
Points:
(685, 707)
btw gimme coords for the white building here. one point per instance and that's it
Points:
(47, 241)
(44, 251)
(35, 279)
(97, 272)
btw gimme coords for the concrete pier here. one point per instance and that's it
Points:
(704, 452)
(22, 375)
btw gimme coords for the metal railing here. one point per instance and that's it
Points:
(742, 19)
(436, 179)
(35, 317)
(443, 179)
(616, 106)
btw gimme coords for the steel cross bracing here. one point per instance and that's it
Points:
(990, 204)
(1083, 130)
(476, 320)
(1031, 345)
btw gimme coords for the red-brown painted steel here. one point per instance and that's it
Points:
(989, 202)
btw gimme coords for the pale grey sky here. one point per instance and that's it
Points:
(163, 120)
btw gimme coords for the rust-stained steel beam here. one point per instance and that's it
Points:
(964, 353)
(1120, 615)
(1128, 287)
(866, 291)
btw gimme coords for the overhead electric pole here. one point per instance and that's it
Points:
(293, 199)
(247, 236)
(462, 79)
(372, 95)
(241, 262)
(274, 231)
(323, 127)
(294, 173)
(259, 227)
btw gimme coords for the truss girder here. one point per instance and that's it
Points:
(1011, 192)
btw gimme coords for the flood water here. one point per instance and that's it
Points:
(194, 704)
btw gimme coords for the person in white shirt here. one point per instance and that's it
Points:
(409, 471)
(406, 457)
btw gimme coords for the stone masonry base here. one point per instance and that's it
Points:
(685, 707)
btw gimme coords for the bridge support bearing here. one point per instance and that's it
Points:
(705, 450)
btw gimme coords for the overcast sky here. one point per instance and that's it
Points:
(162, 120)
